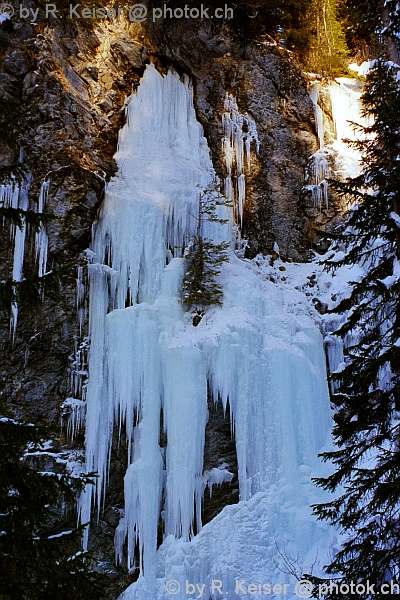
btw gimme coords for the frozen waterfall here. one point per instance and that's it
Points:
(335, 155)
(261, 354)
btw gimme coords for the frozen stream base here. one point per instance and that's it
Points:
(261, 354)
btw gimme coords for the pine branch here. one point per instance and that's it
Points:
(19, 218)
(29, 293)
(12, 117)
(13, 174)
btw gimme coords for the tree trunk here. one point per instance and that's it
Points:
(391, 44)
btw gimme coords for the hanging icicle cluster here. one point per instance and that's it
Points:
(319, 162)
(148, 217)
(41, 239)
(15, 196)
(14, 204)
(239, 132)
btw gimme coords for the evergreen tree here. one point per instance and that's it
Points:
(361, 19)
(327, 44)
(200, 287)
(254, 18)
(390, 31)
(281, 19)
(39, 554)
(366, 421)
(371, 25)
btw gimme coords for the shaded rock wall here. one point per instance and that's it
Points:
(73, 82)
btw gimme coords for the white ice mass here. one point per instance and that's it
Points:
(261, 355)
(335, 157)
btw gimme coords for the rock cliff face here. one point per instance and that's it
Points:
(74, 77)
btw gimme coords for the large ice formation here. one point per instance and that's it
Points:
(261, 355)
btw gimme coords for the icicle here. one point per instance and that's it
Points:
(319, 118)
(319, 164)
(345, 99)
(15, 196)
(241, 194)
(80, 298)
(321, 171)
(236, 145)
(19, 250)
(41, 239)
(185, 404)
(74, 407)
(217, 476)
(78, 370)
(333, 345)
(74, 413)
(9, 197)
